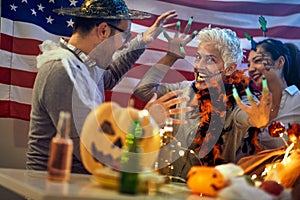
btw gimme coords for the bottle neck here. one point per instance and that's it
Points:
(168, 129)
(63, 125)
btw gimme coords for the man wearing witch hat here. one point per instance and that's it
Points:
(74, 73)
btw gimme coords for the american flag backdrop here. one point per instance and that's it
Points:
(26, 23)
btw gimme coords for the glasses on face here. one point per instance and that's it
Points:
(126, 33)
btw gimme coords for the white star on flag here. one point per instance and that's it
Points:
(13, 7)
(24, 1)
(73, 2)
(49, 20)
(41, 7)
(51, 1)
(70, 23)
(33, 11)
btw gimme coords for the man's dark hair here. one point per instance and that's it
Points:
(85, 25)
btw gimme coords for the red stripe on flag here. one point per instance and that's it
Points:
(172, 75)
(240, 7)
(123, 99)
(26, 79)
(276, 32)
(138, 71)
(5, 75)
(11, 109)
(162, 46)
(17, 77)
(20, 45)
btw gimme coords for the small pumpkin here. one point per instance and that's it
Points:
(205, 180)
(104, 132)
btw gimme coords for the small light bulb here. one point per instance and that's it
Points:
(179, 144)
(181, 153)
(254, 176)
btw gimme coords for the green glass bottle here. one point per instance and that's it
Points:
(130, 161)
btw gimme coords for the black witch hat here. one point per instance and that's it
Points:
(104, 9)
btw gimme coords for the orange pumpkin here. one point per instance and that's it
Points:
(205, 180)
(104, 132)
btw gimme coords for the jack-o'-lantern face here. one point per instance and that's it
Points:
(104, 132)
(205, 180)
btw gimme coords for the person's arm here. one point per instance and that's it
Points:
(151, 83)
(123, 62)
(126, 58)
(56, 94)
(59, 95)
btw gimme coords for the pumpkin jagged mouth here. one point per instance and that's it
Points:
(215, 187)
(106, 159)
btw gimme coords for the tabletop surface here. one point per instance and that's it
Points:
(34, 185)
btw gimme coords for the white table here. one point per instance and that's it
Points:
(34, 185)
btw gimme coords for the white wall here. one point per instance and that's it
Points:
(13, 143)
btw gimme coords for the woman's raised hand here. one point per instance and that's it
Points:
(176, 44)
(258, 112)
(165, 107)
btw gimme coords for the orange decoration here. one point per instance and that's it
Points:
(294, 132)
(276, 128)
(104, 133)
(205, 180)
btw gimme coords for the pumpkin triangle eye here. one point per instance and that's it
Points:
(215, 175)
(106, 127)
(118, 143)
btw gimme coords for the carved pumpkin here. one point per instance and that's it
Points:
(104, 132)
(205, 180)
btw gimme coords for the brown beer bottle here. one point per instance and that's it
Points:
(61, 150)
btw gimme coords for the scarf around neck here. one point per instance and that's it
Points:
(213, 104)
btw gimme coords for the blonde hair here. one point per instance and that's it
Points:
(226, 41)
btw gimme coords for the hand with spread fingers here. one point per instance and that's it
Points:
(258, 112)
(164, 107)
(177, 44)
(153, 31)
